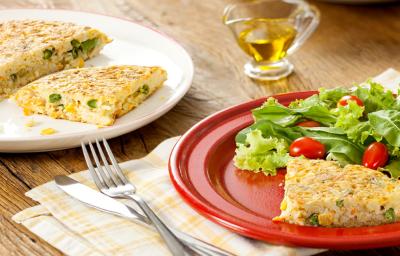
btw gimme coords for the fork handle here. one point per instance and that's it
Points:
(176, 247)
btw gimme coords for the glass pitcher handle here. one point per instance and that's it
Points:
(308, 13)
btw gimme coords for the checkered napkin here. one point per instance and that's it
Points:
(76, 229)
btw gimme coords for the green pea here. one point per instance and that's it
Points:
(75, 43)
(389, 215)
(313, 219)
(144, 89)
(47, 54)
(340, 203)
(92, 103)
(13, 77)
(89, 45)
(75, 53)
(55, 97)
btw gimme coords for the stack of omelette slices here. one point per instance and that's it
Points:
(41, 67)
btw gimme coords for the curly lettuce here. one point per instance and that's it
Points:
(374, 96)
(331, 96)
(363, 133)
(261, 154)
(349, 118)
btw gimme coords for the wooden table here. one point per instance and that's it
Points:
(351, 44)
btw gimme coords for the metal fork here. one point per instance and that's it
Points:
(112, 182)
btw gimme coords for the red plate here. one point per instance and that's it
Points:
(202, 171)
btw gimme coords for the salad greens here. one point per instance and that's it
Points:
(393, 168)
(331, 96)
(338, 146)
(374, 96)
(310, 108)
(269, 129)
(262, 154)
(387, 124)
(313, 108)
(345, 131)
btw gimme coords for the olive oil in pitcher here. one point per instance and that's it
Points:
(268, 31)
(265, 39)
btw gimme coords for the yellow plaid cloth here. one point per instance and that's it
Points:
(76, 229)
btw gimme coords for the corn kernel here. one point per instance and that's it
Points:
(48, 131)
(325, 219)
(27, 111)
(81, 63)
(70, 108)
(283, 205)
(30, 123)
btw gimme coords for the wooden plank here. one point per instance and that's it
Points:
(33, 169)
(16, 239)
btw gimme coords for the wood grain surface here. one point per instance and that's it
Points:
(352, 43)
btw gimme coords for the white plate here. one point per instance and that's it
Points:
(133, 44)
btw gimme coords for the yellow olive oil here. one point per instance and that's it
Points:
(265, 39)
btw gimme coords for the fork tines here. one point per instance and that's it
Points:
(108, 173)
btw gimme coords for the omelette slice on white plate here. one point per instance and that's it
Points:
(30, 49)
(96, 95)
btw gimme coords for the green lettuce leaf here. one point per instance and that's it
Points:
(273, 111)
(363, 133)
(393, 168)
(374, 96)
(348, 116)
(386, 123)
(311, 108)
(349, 119)
(393, 151)
(261, 154)
(269, 129)
(337, 145)
(331, 96)
(396, 104)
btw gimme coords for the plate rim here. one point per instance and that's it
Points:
(390, 238)
(147, 119)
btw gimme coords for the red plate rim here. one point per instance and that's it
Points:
(390, 237)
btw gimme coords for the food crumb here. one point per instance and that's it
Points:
(27, 112)
(162, 97)
(47, 131)
(30, 123)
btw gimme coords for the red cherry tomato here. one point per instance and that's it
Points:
(307, 147)
(309, 123)
(376, 155)
(343, 101)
